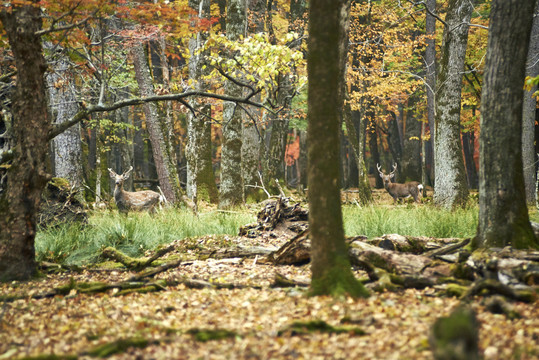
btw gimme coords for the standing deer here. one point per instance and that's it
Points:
(398, 191)
(138, 200)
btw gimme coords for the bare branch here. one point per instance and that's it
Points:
(84, 113)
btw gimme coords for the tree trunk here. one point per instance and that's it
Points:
(503, 214)
(373, 147)
(26, 177)
(411, 151)
(357, 141)
(157, 129)
(200, 177)
(252, 137)
(430, 60)
(528, 113)
(231, 191)
(67, 150)
(450, 188)
(331, 273)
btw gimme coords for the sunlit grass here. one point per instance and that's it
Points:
(132, 234)
(412, 220)
(138, 232)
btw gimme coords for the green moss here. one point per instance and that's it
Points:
(50, 357)
(338, 281)
(306, 327)
(204, 335)
(118, 346)
(455, 290)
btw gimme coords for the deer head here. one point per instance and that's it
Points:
(138, 200)
(387, 178)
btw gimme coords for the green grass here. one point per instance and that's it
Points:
(132, 234)
(138, 232)
(410, 220)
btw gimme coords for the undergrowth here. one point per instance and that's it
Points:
(137, 232)
(132, 234)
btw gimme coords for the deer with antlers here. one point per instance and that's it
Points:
(138, 200)
(400, 191)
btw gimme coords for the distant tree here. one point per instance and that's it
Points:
(200, 176)
(450, 188)
(529, 113)
(158, 128)
(231, 191)
(331, 271)
(66, 147)
(503, 214)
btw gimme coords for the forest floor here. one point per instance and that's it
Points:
(221, 307)
(253, 322)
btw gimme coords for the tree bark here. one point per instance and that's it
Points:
(231, 191)
(157, 129)
(26, 177)
(67, 150)
(411, 150)
(200, 177)
(430, 69)
(252, 144)
(503, 214)
(450, 189)
(529, 111)
(331, 273)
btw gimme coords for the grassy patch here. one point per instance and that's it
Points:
(132, 234)
(410, 220)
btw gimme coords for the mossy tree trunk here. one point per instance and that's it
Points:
(200, 177)
(231, 192)
(26, 177)
(450, 188)
(252, 133)
(357, 140)
(411, 150)
(66, 147)
(158, 129)
(503, 214)
(331, 272)
(430, 70)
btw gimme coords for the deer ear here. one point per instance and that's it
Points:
(391, 176)
(112, 173)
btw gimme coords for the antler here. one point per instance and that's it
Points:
(379, 169)
(394, 169)
(125, 175)
(112, 173)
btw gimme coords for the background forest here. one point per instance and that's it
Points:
(286, 109)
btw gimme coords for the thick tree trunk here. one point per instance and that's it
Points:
(331, 273)
(26, 177)
(157, 128)
(200, 177)
(231, 191)
(503, 214)
(67, 150)
(528, 114)
(450, 189)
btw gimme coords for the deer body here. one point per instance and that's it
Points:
(127, 200)
(400, 191)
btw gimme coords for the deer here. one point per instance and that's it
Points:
(400, 191)
(138, 200)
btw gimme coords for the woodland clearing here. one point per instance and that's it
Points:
(212, 305)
